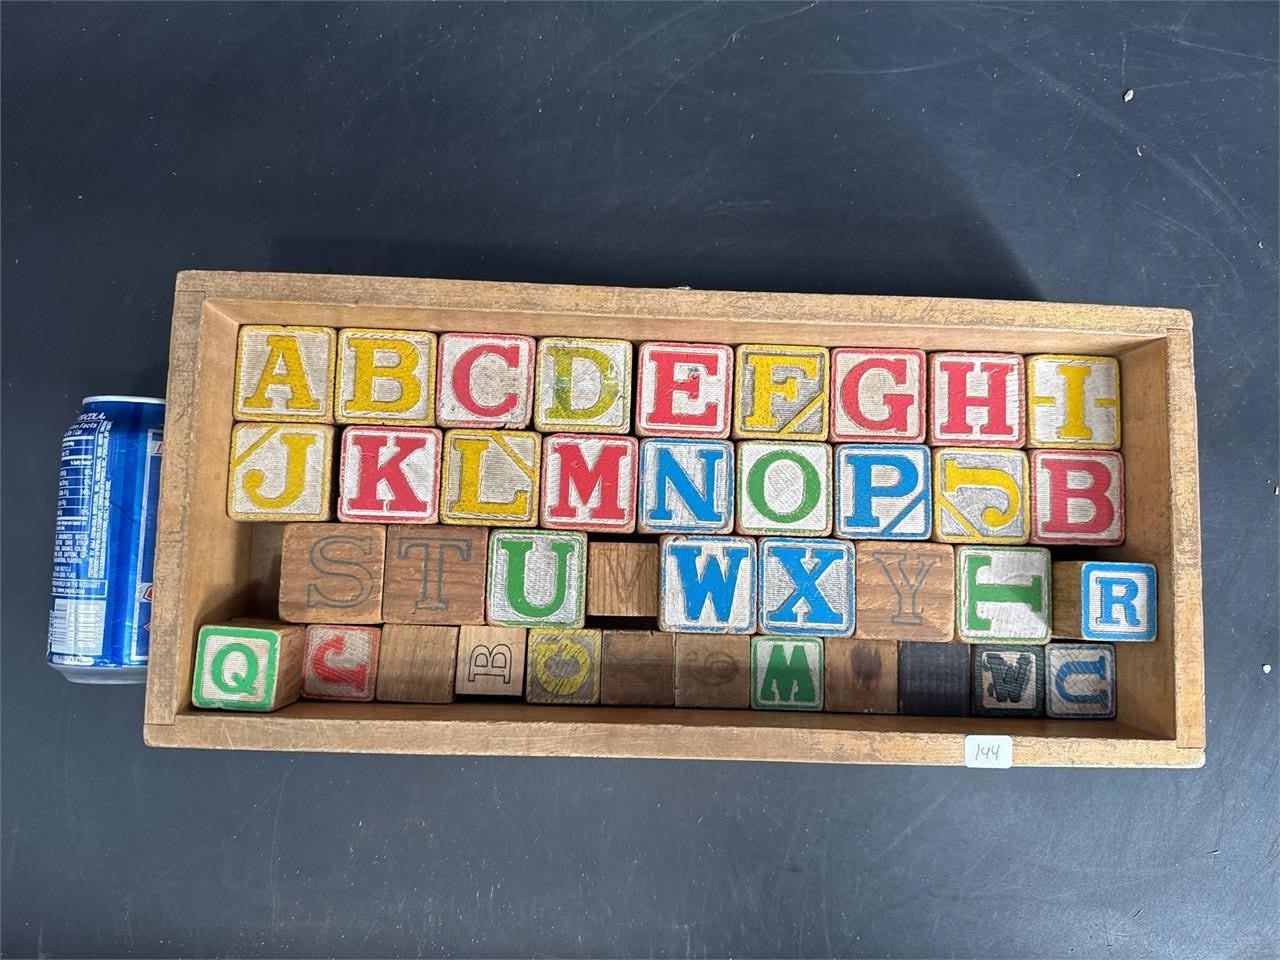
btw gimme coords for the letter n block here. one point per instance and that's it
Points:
(780, 393)
(977, 400)
(637, 669)
(1003, 594)
(1008, 680)
(806, 587)
(583, 386)
(485, 380)
(1080, 680)
(906, 591)
(589, 483)
(341, 662)
(877, 396)
(1112, 601)
(247, 665)
(490, 661)
(1073, 401)
(537, 578)
(435, 575)
(933, 679)
(708, 584)
(713, 671)
(686, 486)
(883, 492)
(387, 376)
(389, 475)
(332, 573)
(1077, 497)
(416, 663)
(787, 673)
(490, 477)
(784, 488)
(563, 666)
(284, 373)
(280, 471)
(980, 496)
(684, 390)
(862, 675)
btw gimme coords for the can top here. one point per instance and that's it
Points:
(120, 398)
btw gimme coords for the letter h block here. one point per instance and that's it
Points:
(386, 376)
(589, 483)
(247, 665)
(806, 587)
(877, 396)
(284, 373)
(686, 486)
(583, 386)
(341, 662)
(1080, 680)
(1073, 401)
(537, 578)
(883, 492)
(280, 471)
(390, 475)
(1077, 497)
(780, 393)
(490, 477)
(684, 390)
(1003, 594)
(708, 584)
(485, 381)
(977, 400)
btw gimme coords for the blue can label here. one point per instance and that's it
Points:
(147, 546)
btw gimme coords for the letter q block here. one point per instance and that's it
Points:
(280, 471)
(485, 380)
(390, 475)
(1077, 497)
(977, 399)
(780, 393)
(247, 665)
(341, 662)
(583, 386)
(386, 376)
(877, 396)
(1073, 401)
(684, 390)
(284, 373)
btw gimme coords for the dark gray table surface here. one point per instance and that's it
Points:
(907, 149)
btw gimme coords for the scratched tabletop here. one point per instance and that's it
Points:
(1110, 154)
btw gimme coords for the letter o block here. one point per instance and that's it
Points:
(485, 381)
(341, 662)
(684, 390)
(1077, 497)
(284, 373)
(977, 399)
(247, 665)
(583, 386)
(280, 471)
(980, 496)
(386, 376)
(784, 488)
(780, 393)
(1073, 401)
(877, 396)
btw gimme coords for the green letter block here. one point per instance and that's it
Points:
(786, 673)
(248, 665)
(1002, 593)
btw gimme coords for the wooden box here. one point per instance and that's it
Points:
(210, 568)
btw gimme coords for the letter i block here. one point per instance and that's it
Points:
(1073, 402)
(883, 492)
(589, 483)
(686, 486)
(784, 488)
(490, 478)
(332, 572)
(1003, 594)
(1080, 680)
(247, 665)
(280, 471)
(583, 386)
(563, 666)
(386, 376)
(708, 584)
(877, 396)
(980, 496)
(977, 399)
(284, 373)
(806, 586)
(1077, 496)
(906, 591)
(537, 578)
(485, 380)
(787, 673)
(1112, 601)
(341, 662)
(390, 475)
(780, 393)
(684, 390)
(1008, 680)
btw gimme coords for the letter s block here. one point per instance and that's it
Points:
(708, 584)
(386, 376)
(490, 477)
(537, 578)
(284, 373)
(684, 390)
(1077, 497)
(247, 665)
(390, 475)
(977, 399)
(1080, 680)
(780, 393)
(341, 662)
(583, 386)
(787, 673)
(1003, 594)
(877, 396)
(280, 471)
(332, 572)
(485, 381)
(1073, 401)
(589, 483)
(980, 496)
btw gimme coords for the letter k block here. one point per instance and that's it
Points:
(390, 475)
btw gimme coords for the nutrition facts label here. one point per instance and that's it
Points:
(80, 542)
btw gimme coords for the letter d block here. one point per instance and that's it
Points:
(787, 673)
(877, 396)
(589, 483)
(684, 390)
(980, 496)
(583, 386)
(332, 573)
(386, 376)
(537, 578)
(390, 475)
(486, 380)
(977, 400)
(563, 666)
(1080, 680)
(280, 472)
(686, 486)
(247, 665)
(490, 478)
(784, 488)
(708, 585)
(1073, 402)
(1077, 496)
(780, 393)
(1008, 680)
(883, 492)
(284, 373)
(806, 587)
(1003, 594)
(341, 662)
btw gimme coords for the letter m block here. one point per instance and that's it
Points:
(589, 483)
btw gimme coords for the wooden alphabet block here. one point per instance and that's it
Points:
(247, 665)
(780, 393)
(280, 471)
(341, 662)
(980, 496)
(284, 373)
(490, 661)
(712, 671)
(537, 578)
(784, 488)
(435, 575)
(490, 478)
(877, 396)
(416, 663)
(387, 376)
(622, 579)
(1111, 601)
(862, 675)
(1073, 401)
(589, 483)
(637, 668)
(1077, 497)
(332, 573)
(883, 492)
(563, 666)
(389, 475)
(684, 390)
(1003, 594)
(1080, 680)
(906, 591)
(686, 486)
(787, 673)
(933, 679)
(708, 584)
(485, 381)
(1008, 680)
(977, 400)
(583, 386)
(806, 587)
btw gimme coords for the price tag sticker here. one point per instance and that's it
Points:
(993, 752)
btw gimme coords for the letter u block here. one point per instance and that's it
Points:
(284, 373)
(583, 386)
(1077, 496)
(1003, 594)
(1073, 401)
(341, 662)
(390, 475)
(485, 381)
(280, 471)
(490, 478)
(977, 399)
(784, 488)
(386, 376)
(1080, 680)
(247, 665)
(883, 492)
(877, 396)
(686, 486)
(780, 393)
(980, 496)
(684, 390)
(806, 587)
(787, 673)
(537, 578)
(708, 584)
(589, 483)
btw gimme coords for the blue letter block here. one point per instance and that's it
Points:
(1118, 601)
(883, 491)
(686, 486)
(806, 587)
(708, 585)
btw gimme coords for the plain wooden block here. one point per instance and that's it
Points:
(435, 574)
(933, 679)
(583, 385)
(684, 390)
(280, 471)
(622, 579)
(707, 584)
(537, 578)
(563, 666)
(637, 668)
(780, 392)
(416, 663)
(1003, 594)
(389, 475)
(485, 380)
(341, 662)
(906, 591)
(1080, 680)
(883, 491)
(862, 675)
(589, 483)
(686, 486)
(784, 488)
(806, 587)
(284, 373)
(977, 399)
(490, 478)
(490, 661)
(787, 673)
(1073, 401)
(332, 573)
(712, 670)
(386, 376)
(1077, 497)
(980, 496)
(247, 665)
(1111, 601)
(1008, 680)
(877, 395)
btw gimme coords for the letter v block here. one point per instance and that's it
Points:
(780, 393)
(883, 492)
(684, 390)
(1077, 497)
(806, 587)
(386, 376)
(980, 496)
(1080, 680)
(284, 373)
(589, 483)
(877, 396)
(1003, 594)
(583, 386)
(1008, 680)
(390, 475)
(686, 486)
(490, 478)
(787, 673)
(485, 380)
(977, 400)
(708, 584)
(1073, 401)
(247, 665)
(341, 662)
(280, 471)
(537, 578)
(784, 488)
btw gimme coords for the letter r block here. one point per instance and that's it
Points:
(485, 380)
(583, 386)
(247, 665)
(686, 486)
(980, 496)
(390, 475)
(435, 575)
(1003, 594)
(332, 572)
(490, 477)
(537, 578)
(1117, 601)
(284, 373)
(280, 471)
(589, 483)
(1077, 497)
(877, 396)
(883, 491)
(386, 376)
(784, 488)
(806, 586)
(708, 584)
(787, 673)
(780, 393)
(977, 399)
(341, 662)
(1073, 401)
(1080, 680)
(684, 390)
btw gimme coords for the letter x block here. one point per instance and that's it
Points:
(980, 496)
(247, 665)
(280, 471)
(490, 661)
(1003, 594)
(386, 376)
(390, 475)
(877, 396)
(1080, 680)
(1112, 601)
(684, 390)
(485, 380)
(490, 477)
(589, 483)
(977, 400)
(806, 587)
(883, 492)
(341, 662)
(708, 584)
(284, 373)
(583, 386)
(686, 486)
(1077, 496)
(906, 591)
(1073, 402)
(780, 393)
(784, 488)
(563, 666)
(537, 578)
(332, 572)
(787, 673)
(1008, 680)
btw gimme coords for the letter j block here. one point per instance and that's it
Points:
(1003, 594)
(284, 373)
(248, 665)
(386, 376)
(341, 662)
(583, 386)
(780, 393)
(980, 496)
(280, 471)
(1073, 401)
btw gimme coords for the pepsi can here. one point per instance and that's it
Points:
(105, 540)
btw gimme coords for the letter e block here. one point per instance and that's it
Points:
(341, 662)
(1077, 496)
(284, 373)
(490, 478)
(977, 399)
(686, 486)
(486, 380)
(1080, 680)
(877, 396)
(387, 376)
(684, 390)
(980, 496)
(862, 675)
(583, 386)
(906, 591)
(247, 665)
(1008, 680)
(784, 488)
(806, 587)
(713, 671)
(780, 393)
(416, 663)
(280, 471)
(637, 668)
(1003, 594)
(1073, 402)
(787, 673)
(883, 492)
(537, 578)
(332, 573)
(708, 584)
(933, 679)
(435, 575)
(390, 475)
(563, 666)
(490, 661)
(589, 483)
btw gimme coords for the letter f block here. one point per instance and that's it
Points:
(247, 665)
(780, 393)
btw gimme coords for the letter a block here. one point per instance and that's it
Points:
(784, 488)
(486, 380)
(1008, 680)
(906, 591)
(780, 393)
(589, 483)
(386, 376)
(1077, 496)
(883, 492)
(563, 666)
(332, 572)
(284, 373)
(247, 665)
(390, 475)
(1080, 680)
(341, 662)
(435, 575)
(490, 661)
(537, 578)
(280, 471)
(977, 400)
(980, 496)
(1003, 594)
(583, 386)
(1073, 402)
(1097, 600)
(806, 587)
(877, 396)
(686, 486)
(708, 585)
(684, 390)
(490, 478)
(787, 673)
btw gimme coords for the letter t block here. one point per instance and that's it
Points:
(1003, 594)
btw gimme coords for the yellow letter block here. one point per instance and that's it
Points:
(1073, 402)
(980, 495)
(285, 373)
(490, 478)
(280, 471)
(386, 376)
(583, 386)
(780, 393)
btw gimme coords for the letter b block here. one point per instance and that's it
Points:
(806, 587)
(1073, 402)
(486, 380)
(1080, 680)
(877, 396)
(280, 472)
(784, 488)
(247, 665)
(787, 673)
(589, 483)
(284, 373)
(537, 578)
(583, 386)
(780, 393)
(1003, 594)
(1077, 497)
(490, 478)
(684, 390)
(977, 399)
(386, 376)
(390, 475)
(980, 496)
(341, 662)
(332, 572)
(490, 661)
(708, 585)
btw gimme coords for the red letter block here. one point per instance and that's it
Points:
(684, 390)
(589, 483)
(486, 380)
(877, 396)
(1077, 497)
(390, 475)
(978, 399)
(341, 662)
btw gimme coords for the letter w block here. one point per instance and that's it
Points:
(708, 585)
